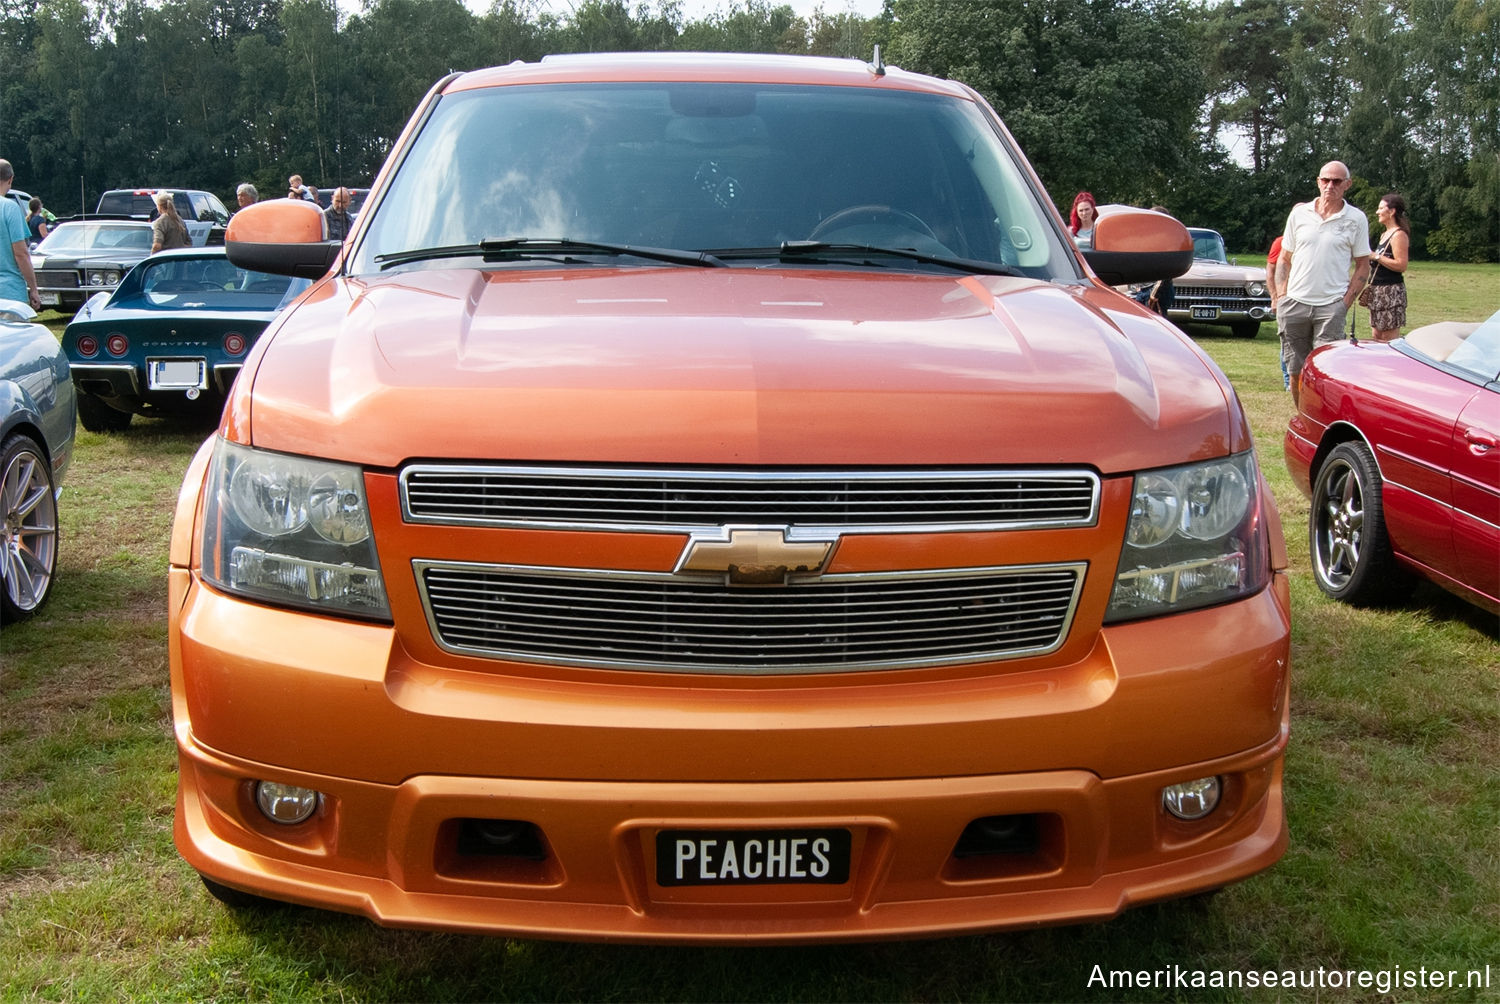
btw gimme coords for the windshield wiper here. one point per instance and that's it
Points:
(423, 254)
(828, 251)
(520, 248)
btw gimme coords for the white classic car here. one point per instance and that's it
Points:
(1218, 291)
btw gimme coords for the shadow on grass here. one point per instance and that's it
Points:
(1219, 333)
(1442, 606)
(368, 962)
(167, 426)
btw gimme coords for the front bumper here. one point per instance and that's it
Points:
(1199, 313)
(598, 770)
(69, 299)
(390, 853)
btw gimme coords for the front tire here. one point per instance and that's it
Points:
(1245, 329)
(28, 548)
(236, 900)
(1351, 552)
(96, 416)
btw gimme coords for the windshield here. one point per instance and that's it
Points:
(143, 204)
(1208, 246)
(713, 167)
(96, 238)
(215, 284)
(1476, 353)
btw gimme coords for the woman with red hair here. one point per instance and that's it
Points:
(1081, 219)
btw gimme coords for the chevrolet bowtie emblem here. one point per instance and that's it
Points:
(754, 556)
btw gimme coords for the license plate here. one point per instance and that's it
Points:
(49, 299)
(752, 857)
(1205, 313)
(175, 374)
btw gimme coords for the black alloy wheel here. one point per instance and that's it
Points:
(1351, 552)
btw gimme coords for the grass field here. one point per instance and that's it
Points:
(1393, 792)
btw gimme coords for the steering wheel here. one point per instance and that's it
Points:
(856, 215)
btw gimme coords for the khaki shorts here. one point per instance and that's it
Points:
(1304, 327)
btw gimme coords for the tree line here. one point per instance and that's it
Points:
(1128, 99)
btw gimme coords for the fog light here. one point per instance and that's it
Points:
(285, 803)
(1192, 800)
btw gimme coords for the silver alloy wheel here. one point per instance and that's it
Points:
(1340, 519)
(28, 550)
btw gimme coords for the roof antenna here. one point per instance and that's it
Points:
(877, 65)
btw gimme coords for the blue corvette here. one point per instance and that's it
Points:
(36, 447)
(172, 338)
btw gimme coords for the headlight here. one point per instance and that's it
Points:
(291, 530)
(1195, 538)
(1257, 289)
(104, 277)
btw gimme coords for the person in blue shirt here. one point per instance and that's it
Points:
(17, 280)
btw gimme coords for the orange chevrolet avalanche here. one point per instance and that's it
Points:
(710, 499)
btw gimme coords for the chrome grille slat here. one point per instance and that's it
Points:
(717, 639)
(1224, 292)
(626, 626)
(673, 500)
(1224, 297)
(716, 611)
(583, 588)
(678, 624)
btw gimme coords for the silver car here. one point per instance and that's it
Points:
(38, 409)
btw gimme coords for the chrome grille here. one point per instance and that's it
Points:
(1209, 292)
(673, 624)
(676, 500)
(1223, 297)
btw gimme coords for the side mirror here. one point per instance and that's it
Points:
(282, 237)
(1138, 245)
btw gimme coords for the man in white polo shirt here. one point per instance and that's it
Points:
(1323, 238)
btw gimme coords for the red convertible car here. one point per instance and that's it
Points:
(1398, 446)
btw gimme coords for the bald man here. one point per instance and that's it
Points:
(1325, 256)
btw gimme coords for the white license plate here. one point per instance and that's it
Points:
(752, 857)
(1205, 313)
(50, 299)
(176, 374)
